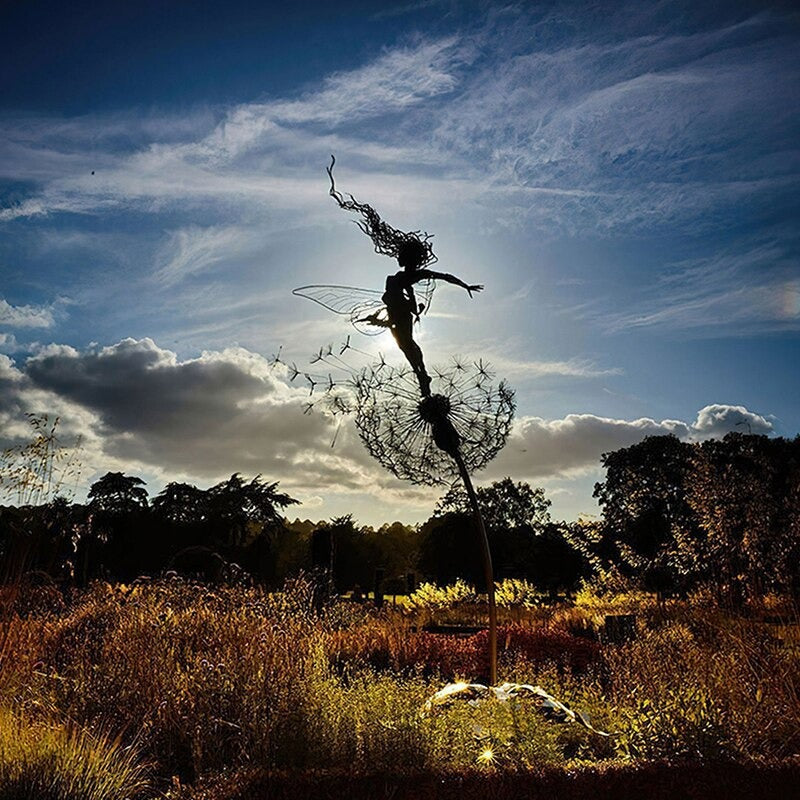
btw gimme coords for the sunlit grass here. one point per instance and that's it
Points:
(211, 679)
(59, 761)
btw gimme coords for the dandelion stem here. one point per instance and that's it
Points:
(488, 571)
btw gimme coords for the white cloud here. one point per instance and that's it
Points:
(25, 316)
(539, 448)
(714, 421)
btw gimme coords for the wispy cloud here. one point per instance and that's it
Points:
(599, 128)
(251, 156)
(193, 250)
(735, 293)
(571, 368)
(8, 343)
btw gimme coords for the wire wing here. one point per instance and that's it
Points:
(424, 292)
(365, 307)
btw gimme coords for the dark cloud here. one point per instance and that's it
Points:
(206, 416)
(139, 405)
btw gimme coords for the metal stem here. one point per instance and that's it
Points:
(488, 572)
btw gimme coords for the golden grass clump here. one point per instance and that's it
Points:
(58, 761)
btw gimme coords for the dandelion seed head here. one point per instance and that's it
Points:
(414, 438)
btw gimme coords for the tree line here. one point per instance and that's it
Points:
(675, 516)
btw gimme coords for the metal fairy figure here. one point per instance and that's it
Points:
(398, 307)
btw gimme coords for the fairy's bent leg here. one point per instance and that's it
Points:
(411, 350)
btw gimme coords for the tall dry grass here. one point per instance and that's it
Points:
(60, 761)
(205, 680)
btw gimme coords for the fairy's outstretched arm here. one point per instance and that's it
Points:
(426, 274)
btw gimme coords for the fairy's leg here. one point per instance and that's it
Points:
(411, 350)
(422, 374)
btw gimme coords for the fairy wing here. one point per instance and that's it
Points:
(424, 292)
(341, 299)
(365, 307)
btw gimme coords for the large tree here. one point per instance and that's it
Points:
(744, 491)
(520, 536)
(504, 504)
(181, 504)
(240, 511)
(118, 540)
(118, 494)
(646, 513)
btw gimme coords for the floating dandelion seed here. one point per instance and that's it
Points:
(415, 438)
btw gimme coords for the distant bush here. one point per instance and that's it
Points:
(430, 597)
(517, 593)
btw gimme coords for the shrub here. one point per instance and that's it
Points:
(429, 597)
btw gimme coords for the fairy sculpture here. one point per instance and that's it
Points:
(428, 438)
(398, 307)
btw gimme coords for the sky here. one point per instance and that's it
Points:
(622, 178)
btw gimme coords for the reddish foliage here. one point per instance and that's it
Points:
(461, 656)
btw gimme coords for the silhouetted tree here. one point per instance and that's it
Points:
(396, 547)
(449, 549)
(647, 515)
(181, 504)
(240, 511)
(504, 504)
(353, 561)
(515, 514)
(117, 540)
(743, 490)
(117, 494)
(555, 561)
(38, 538)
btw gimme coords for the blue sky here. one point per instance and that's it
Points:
(624, 182)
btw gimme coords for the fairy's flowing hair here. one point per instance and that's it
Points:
(388, 241)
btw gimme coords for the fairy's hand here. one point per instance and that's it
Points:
(476, 287)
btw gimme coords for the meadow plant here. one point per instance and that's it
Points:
(57, 761)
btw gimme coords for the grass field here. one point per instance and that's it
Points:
(175, 689)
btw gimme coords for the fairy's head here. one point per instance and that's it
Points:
(413, 250)
(414, 253)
